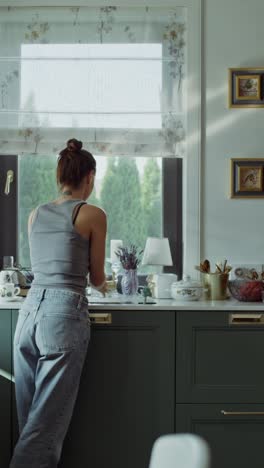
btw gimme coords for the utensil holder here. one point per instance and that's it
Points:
(216, 286)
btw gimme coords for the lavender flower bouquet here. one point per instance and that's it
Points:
(129, 257)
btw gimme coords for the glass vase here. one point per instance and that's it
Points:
(129, 283)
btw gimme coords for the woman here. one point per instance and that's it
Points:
(67, 240)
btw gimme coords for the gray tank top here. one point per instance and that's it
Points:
(59, 254)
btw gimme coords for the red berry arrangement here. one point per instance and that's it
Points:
(246, 290)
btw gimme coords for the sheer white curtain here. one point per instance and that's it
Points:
(114, 77)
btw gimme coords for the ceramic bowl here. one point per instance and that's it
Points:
(186, 290)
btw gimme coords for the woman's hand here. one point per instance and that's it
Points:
(102, 288)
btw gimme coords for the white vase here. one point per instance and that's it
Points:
(129, 282)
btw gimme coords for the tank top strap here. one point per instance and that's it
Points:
(71, 208)
(76, 210)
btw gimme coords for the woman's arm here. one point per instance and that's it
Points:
(97, 249)
(31, 219)
(91, 223)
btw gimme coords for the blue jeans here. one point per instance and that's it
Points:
(50, 345)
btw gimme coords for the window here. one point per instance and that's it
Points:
(129, 189)
(97, 85)
(113, 77)
(146, 200)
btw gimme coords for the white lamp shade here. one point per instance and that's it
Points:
(157, 252)
(180, 451)
(114, 246)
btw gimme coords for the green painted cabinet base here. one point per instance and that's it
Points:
(220, 384)
(14, 421)
(5, 387)
(236, 439)
(126, 397)
(146, 375)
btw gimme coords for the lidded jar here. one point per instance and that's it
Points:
(187, 289)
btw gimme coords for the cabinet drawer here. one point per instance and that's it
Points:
(220, 357)
(236, 438)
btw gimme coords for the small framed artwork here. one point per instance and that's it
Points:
(246, 87)
(247, 178)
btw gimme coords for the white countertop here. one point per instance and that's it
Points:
(161, 304)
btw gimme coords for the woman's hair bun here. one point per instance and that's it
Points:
(73, 164)
(74, 145)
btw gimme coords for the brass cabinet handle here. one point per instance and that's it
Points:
(245, 318)
(9, 180)
(7, 375)
(102, 319)
(242, 413)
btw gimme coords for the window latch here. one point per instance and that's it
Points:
(9, 180)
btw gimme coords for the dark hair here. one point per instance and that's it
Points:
(74, 163)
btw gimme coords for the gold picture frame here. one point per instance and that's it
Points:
(247, 178)
(246, 87)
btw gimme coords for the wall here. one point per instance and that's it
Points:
(233, 37)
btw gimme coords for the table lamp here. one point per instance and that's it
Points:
(157, 252)
(115, 244)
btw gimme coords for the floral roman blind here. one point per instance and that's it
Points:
(114, 77)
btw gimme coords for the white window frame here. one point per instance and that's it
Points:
(192, 164)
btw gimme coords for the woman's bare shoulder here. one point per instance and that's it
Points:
(93, 212)
(94, 209)
(90, 219)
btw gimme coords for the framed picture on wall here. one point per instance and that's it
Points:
(246, 87)
(247, 178)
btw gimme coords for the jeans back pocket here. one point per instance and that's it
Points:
(62, 332)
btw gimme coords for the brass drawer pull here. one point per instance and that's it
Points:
(245, 318)
(101, 319)
(242, 413)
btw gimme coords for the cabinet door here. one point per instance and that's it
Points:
(220, 357)
(126, 395)
(14, 421)
(235, 433)
(5, 387)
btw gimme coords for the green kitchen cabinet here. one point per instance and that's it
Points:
(220, 384)
(149, 373)
(5, 387)
(220, 357)
(14, 422)
(234, 432)
(127, 391)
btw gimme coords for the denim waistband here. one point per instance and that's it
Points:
(38, 293)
